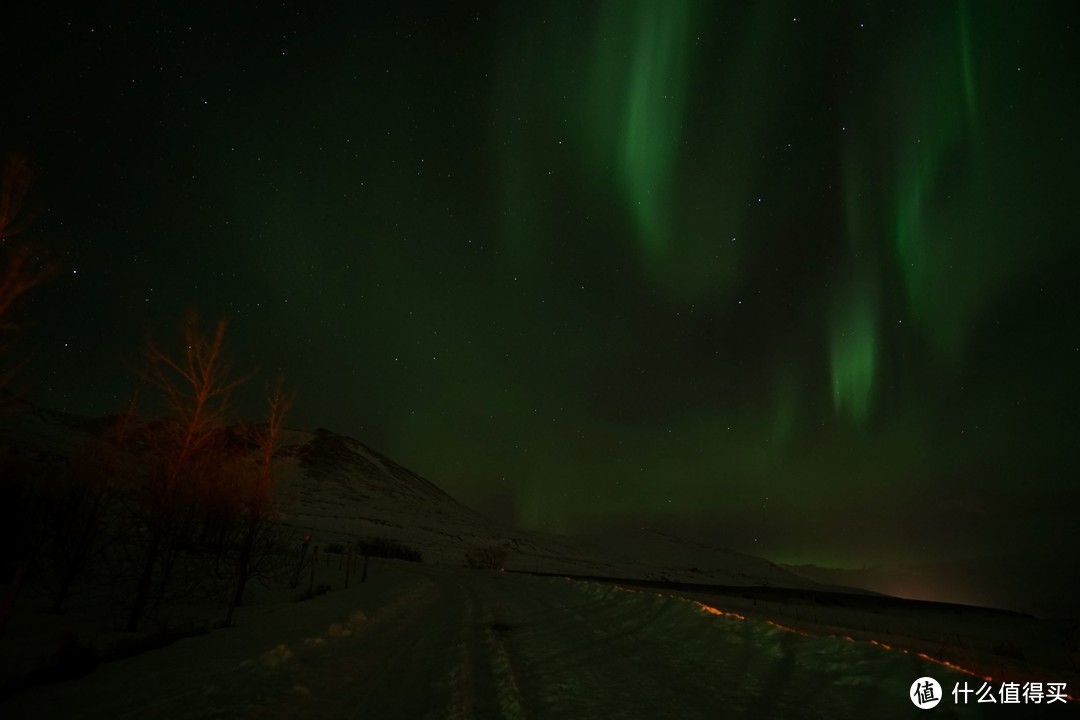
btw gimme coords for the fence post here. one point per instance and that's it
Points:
(314, 562)
(300, 563)
(363, 576)
(348, 567)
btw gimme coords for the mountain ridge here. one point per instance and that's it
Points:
(336, 490)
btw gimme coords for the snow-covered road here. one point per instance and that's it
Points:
(427, 642)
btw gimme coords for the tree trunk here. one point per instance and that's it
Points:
(142, 595)
(242, 572)
(63, 591)
(7, 605)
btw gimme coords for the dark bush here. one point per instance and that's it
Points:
(382, 547)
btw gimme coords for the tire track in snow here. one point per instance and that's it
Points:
(506, 687)
(461, 703)
(480, 679)
(584, 655)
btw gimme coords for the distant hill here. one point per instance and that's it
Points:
(1045, 586)
(338, 490)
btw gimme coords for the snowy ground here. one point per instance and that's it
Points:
(418, 641)
(424, 641)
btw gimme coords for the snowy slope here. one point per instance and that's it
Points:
(658, 555)
(337, 489)
(25, 427)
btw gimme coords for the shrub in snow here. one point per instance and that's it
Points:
(276, 656)
(486, 557)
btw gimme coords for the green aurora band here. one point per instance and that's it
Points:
(676, 133)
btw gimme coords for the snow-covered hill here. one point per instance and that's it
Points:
(338, 490)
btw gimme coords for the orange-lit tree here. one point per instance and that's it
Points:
(15, 180)
(22, 267)
(257, 523)
(182, 448)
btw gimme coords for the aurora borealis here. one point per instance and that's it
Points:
(799, 276)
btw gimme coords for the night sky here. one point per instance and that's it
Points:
(798, 277)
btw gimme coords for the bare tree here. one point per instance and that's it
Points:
(256, 499)
(15, 181)
(196, 386)
(22, 267)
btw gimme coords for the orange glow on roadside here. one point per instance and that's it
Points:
(714, 611)
(710, 610)
(951, 666)
(922, 656)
